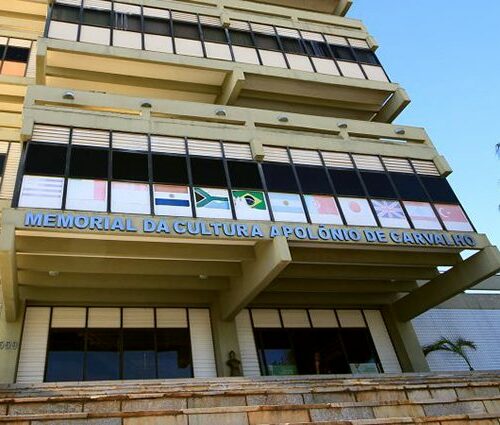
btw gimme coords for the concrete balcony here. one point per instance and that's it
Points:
(117, 70)
(334, 7)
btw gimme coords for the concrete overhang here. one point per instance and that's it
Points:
(23, 17)
(83, 66)
(334, 7)
(67, 265)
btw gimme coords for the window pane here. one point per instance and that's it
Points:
(360, 351)
(103, 355)
(65, 355)
(439, 189)
(378, 184)
(409, 187)
(170, 169)
(45, 159)
(2, 163)
(133, 23)
(208, 172)
(130, 166)
(267, 42)
(292, 45)
(244, 175)
(139, 354)
(366, 56)
(317, 49)
(346, 182)
(342, 53)
(313, 179)
(214, 34)
(66, 13)
(17, 54)
(174, 353)
(279, 177)
(241, 38)
(186, 30)
(89, 162)
(156, 26)
(275, 352)
(101, 18)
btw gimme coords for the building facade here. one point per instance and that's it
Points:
(215, 188)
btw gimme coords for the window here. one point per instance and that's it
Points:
(378, 184)
(313, 180)
(139, 354)
(156, 26)
(66, 13)
(208, 172)
(342, 53)
(241, 38)
(292, 45)
(244, 175)
(279, 177)
(15, 57)
(100, 18)
(366, 56)
(346, 182)
(360, 351)
(65, 355)
(266, 42)
(130, 166)
(127, 22)
(439, 189)
(186, 30)
(409, 187)
(3, 159)
(170, 169)
(317, 49)
(17, 54)
(45, 159)
(102, 354)
(217, 35)
(89, 163)
(174, 353)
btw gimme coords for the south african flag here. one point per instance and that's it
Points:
(212, 203)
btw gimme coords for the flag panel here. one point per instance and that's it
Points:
(287, 207)
(87, 195)
(454, 217)
(130, 198)
(390, 213)
(41, 192)
(250, 205)
(357, 212)
(422, 215)
(323, 209)
(212, 203)
(172, 200)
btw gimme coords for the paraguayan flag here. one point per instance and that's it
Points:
(172, 200)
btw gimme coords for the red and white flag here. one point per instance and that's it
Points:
(422, 215)
(323, 209)
(454, 217)
(357, 212)
(130, 198)
(87, 195)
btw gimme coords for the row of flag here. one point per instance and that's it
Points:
(91, 195)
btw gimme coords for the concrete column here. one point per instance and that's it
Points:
(10, 341)
(405, 341)
(225, 339)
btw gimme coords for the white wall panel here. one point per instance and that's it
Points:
(245, 55)
(138, 318)
(202, 343)
(351, 319)
(350, 69)
(68, 317)
(382, 341)
(323, 319)
(63, 30)
(479, 326)
(295, 318)
(171, 318)
(270, 58)
(246, 341)
(218, 51)
(374, 72)
(158, 43)
(188, 47)
(95, 35)
(266, 318)
(34, 345)
(130, 39)
(325, 66)
(299, 62)
(101, 317)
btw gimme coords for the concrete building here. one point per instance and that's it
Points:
(214, 188)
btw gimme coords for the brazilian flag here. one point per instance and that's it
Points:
(253, 199)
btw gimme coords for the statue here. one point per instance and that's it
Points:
(234, 364)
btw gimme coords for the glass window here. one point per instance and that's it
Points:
(342, 53)
(378, 184)
(346, 182)
(45, 159)
(103, 354)
(317, 49)
(366, 56)
(89, 162)
(244, 175)
(267, 42)
(409, 187)
(100, 18)
(360, 350)
(208, 172)
(439, 189)
(215, 34)
(279, 177)
(130, 166)
(65, 13)
(186, 30)
(156, 26)
(3, 158)
(126, 22)
(241, 38)
(276, 352)
(313, 180)
(17, 54)
(139, 354)
(174, 353)
(292, 45)
(170, 169)
(65, 352)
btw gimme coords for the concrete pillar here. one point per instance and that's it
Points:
(225, 339)
(10, 341)
(405, 341)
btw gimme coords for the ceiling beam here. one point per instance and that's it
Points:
(341, 286)
(475, 269)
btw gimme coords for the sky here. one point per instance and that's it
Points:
(445, 54)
